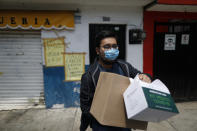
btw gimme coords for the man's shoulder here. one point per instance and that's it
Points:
(92, 67)
(90, 70)
(123, 62)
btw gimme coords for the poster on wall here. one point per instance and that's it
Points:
(74, 66)
(170, 42)
(185, 39)
(53, 51)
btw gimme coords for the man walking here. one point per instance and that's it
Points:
(107, 51)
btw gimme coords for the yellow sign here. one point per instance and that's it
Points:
(37, 19)
(54, 49)
(74, 66)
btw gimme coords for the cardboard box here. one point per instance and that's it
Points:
(108, 105)
(148, 102)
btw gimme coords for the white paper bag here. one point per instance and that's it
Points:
(148, 101)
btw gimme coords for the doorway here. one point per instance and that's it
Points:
(118, 29)
(21, 73)
(174, 58)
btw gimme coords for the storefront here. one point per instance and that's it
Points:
(77, 28)
(86, 19)
(169, 50)
(22, 55)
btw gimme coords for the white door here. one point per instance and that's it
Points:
(21, 74)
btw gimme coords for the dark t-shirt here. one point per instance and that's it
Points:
(115, 69)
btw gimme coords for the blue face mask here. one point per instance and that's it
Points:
(111, 54)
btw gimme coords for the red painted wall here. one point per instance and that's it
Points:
(178, 2)
(149, 18)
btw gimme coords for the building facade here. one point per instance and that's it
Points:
(25, 81)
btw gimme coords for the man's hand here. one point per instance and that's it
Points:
(144, 78)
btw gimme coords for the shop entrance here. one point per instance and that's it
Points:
(21, 73)
(175, 46)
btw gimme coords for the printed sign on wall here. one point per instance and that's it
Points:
(54, 49)
(74, 66)
(185, 39)
(170, 42)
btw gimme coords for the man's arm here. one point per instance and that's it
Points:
(133, 71)
(142, 76)
(85, 102)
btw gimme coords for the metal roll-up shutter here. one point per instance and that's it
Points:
(21, 74)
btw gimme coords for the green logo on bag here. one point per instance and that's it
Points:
(159, 100)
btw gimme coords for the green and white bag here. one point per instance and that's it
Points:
(148, 101)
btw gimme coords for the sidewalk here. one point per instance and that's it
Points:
(69, 120)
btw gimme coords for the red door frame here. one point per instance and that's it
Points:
(150, 17)
(177, 2)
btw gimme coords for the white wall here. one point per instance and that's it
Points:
(78, 39)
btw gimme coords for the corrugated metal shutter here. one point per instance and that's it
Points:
(21, 74)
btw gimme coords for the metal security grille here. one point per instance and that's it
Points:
(21, 74)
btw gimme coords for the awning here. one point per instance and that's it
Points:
(172, 6)
(36, 19)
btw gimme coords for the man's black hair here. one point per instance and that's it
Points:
(104, 34)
